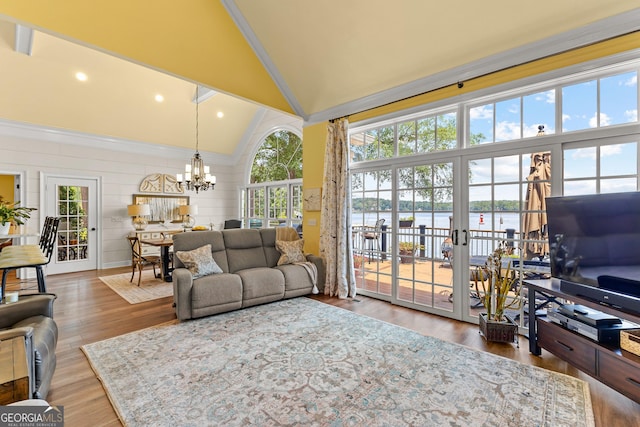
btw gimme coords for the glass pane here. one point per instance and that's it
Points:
(579, 106)
(618, 159)
(370, 147)
(576, 188)
(507, 169)
(407, 138)
(357, 147)
(446, 132)
(539, 109)
(279, 158)
(619, 185)
(278, 203)
(480, 171)
(619, 99)
(508, 120)
(481, 124)
(386, 138)
(72, 232)
(405, 177)
(426, 129)
(580, 163)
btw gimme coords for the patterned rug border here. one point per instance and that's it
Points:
(150, 288)
(588, 408)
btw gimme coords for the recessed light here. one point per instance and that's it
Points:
(159, 98)
(220, 114)
(81, 76)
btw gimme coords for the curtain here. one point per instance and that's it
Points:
(335, 218)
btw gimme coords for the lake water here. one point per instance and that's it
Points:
(503, 220)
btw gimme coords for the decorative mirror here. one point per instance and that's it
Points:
(163, 208)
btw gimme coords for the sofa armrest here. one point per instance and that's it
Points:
(182, 284)
(26, 306)
(7, 334)
(319, 263)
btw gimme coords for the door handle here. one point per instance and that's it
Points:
(466, 238)
(454, 236)
(93, 229)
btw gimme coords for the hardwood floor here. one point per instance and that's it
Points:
(87, 311)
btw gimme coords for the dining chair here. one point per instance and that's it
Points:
(140, 261)
(373, 235)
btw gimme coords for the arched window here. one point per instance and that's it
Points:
(274, 194)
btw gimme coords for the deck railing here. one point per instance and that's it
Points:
(428, 241)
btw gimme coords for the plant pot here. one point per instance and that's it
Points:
(498, 331)
(406, 223)
(406, 257)
(4, 229)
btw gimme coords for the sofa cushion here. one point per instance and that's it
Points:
(193, 240)
(291, 251)
(244, 249)
(199, 261)
(269, 245)
(296, 280)
(260, 285)
(218, 289)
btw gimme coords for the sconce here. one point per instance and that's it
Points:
(139, 212)
(187, 212)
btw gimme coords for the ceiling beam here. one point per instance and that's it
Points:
(24, 39)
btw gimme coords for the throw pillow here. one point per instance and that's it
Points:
(291, 251)
(199, 261)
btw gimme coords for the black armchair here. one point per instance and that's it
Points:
(31, 317)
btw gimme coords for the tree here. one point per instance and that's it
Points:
(279, 158)
(431, 134)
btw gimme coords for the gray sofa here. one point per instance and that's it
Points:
(250, 274)
(31, 318)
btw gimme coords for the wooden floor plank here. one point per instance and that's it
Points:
(87, 311)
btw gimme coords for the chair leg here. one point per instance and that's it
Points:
(140, 268)
(42, 287)
(133, 271)
(4, 282)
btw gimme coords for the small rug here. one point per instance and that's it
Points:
(302, 362)
(150, 288)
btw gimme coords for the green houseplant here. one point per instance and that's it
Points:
(406, 221)
(496, 286)
(11, 213)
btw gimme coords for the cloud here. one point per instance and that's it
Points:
(482, 112)
(631, 115)
(633, 81)
(565, 117)
(605, 120)
(507, 131)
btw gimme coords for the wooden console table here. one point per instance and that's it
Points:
(14, 372)
(612, 366)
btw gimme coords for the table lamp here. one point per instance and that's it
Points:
(187, 212)
(139, 212)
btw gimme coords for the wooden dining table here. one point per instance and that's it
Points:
(164, 245)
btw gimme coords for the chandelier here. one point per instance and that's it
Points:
(197, 175)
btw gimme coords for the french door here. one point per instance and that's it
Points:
(74, 201)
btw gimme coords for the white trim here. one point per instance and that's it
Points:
(263, 56)
(24, 39)
(598, 31)
(64, 136)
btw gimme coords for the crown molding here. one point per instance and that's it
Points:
(64, 136)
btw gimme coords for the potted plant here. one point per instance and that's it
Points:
(406, 222)
(11, 213)
(406, 250)
(496, 287)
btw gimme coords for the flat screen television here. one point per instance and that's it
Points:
(594, 247)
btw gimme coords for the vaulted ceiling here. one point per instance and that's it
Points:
(312, 59)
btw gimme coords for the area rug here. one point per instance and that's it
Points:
(150, 288)
(302, 362)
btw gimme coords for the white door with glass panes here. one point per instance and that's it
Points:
(74, 201)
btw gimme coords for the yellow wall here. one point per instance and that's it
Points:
(314, 140)
(595, 51)
(199, 42)
(6, 188)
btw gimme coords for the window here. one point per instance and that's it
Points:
(273, 196)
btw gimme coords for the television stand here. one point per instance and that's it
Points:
(612, 366)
